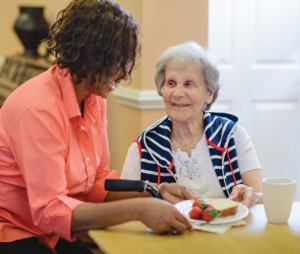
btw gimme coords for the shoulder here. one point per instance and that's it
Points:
(220, 116)
(239, 130)
(164, 123)
(40, 91)
(134, 148)
(240, 133)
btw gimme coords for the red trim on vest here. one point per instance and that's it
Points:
(169, 169)
(158, 174)
(215, 146)
(139, 147)
(171, 165)
(223, 150)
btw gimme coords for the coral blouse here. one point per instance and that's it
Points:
(51, 159)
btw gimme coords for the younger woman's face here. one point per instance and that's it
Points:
(108, 84)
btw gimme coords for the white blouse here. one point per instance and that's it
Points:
(197, 172)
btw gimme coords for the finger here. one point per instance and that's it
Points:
(179, 191)
(172, 188)
(188, 193)
(172, 198)
(248, 197)
(180, 227)
(247, 203)
(173, 227)
(235, 192)
(182, 219)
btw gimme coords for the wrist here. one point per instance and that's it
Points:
(138, 208)
(256, 199)
(161, 187)
(151, 189)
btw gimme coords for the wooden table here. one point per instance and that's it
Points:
(258, 236)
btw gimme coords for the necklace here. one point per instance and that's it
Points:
(184, 146)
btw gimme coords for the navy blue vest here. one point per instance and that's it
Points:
(157, 163)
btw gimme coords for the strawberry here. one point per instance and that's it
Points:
(195, 213)
(208, 214)
(210, 206)
(203, 205)
(197, 203)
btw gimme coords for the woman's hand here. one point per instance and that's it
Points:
(157, 214)
(243, 194)
(175, 193)
(161, 216)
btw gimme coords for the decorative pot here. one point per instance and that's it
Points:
(31, 27)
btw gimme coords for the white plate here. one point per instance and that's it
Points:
(186, 206)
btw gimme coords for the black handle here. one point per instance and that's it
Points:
(124, 185)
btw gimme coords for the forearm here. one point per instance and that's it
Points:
(88, 216)
(113, 196)
(253, 178)
(155, 213)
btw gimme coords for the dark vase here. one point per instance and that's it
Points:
(31, 27)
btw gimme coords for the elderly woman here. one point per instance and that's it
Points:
(208, 152)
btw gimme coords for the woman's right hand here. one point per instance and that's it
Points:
(161, 216)
(174, 193)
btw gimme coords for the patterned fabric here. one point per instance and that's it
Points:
(157, 163)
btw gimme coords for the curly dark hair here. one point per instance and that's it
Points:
(94, 37)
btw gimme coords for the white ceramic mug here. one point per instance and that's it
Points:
(279, 195)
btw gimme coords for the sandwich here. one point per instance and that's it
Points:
(225, 207)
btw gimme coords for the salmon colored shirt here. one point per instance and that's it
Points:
(51, 159)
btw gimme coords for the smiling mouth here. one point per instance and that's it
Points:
(111, 86)
(180, 105)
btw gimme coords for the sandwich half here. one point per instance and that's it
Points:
(225, 207)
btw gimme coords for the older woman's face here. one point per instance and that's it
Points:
(185, 92)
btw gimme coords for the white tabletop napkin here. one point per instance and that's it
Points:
(218, 228)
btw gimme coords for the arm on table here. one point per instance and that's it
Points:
(244, 193)
(154, 213)
(250, 170)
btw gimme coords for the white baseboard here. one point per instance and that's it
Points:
(141, 99)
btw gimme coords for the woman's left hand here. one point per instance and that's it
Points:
(243, 194)
(175, 193)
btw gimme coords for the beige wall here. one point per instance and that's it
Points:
(164, 23)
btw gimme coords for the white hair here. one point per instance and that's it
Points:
(183, 55)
